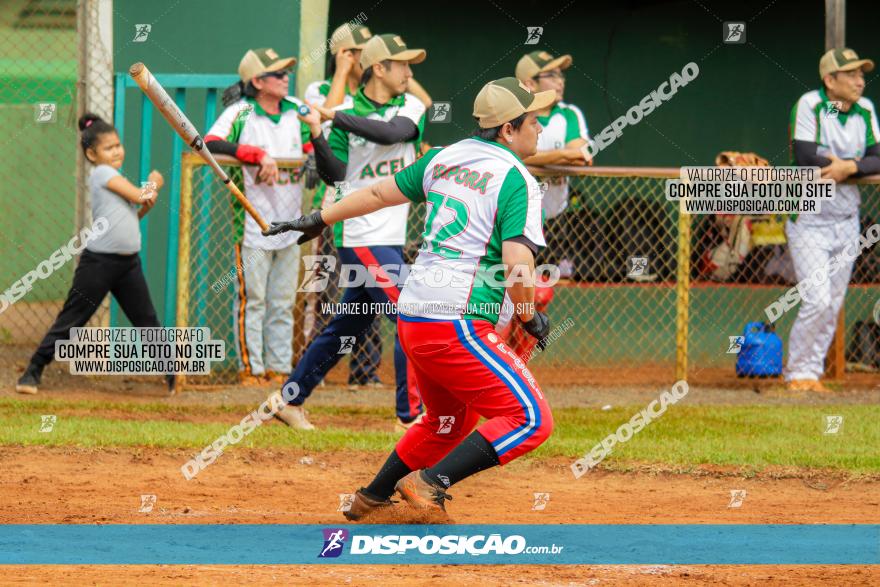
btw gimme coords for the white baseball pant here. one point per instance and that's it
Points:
(812, 246)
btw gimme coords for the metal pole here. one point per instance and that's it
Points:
(81, 210)
(682, 293)
(835, 24)
(835, 37)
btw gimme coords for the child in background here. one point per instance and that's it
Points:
(110, 262)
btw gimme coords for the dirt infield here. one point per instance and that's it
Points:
(77, 486)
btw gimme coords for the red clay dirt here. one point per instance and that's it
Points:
(81, 486)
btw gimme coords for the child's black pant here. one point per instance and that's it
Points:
(95, 276)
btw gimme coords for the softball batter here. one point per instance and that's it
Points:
(484, 209)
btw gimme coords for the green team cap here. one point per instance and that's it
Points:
(390, 46)
(843, 60)
(535, 62)
(504, 99)
(256, 62)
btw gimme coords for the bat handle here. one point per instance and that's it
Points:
(249, 208)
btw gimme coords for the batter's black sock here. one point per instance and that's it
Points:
(391, 472)
(473, 455)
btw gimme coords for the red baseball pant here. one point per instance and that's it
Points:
(465, 370)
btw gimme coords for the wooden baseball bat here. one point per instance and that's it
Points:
(181, 124)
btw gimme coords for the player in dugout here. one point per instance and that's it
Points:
(375, 138)
(834, 128)
(564, 127)
(344, 78)
(260, 123)
(563, 138)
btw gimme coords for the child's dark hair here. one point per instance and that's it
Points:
(92, 126)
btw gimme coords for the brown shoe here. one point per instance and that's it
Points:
(813, 385)
(422, 495)
(247, 379)
(364, 506)
(817, 386)
(275, 378)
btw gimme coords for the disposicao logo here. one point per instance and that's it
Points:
(334, 540)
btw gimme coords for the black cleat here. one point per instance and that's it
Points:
(30, 380)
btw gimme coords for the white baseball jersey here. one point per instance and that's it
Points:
(564, 123)
(369, 162)
(281, 136)
(317, 92)
(479, 194)
(844, 134)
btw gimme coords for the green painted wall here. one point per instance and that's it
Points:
(624, 50)
(38, 167)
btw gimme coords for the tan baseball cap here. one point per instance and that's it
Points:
(390, 46)
(535, 62)
(256, 62)
(504, 99)
(349, 36)
(842, 60)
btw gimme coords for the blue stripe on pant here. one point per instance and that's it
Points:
(323, 352)
(517, 386)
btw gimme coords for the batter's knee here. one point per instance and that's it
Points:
(545, 429)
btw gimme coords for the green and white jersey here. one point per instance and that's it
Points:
(281, 136)
(368, 163)
(844, 134)
(564, 123)
(317, 93)
(479, 194)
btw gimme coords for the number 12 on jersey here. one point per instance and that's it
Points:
(447, 218)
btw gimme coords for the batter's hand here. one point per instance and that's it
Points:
(310, 226)
(539, 327)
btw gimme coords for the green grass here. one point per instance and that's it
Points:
(746, 437)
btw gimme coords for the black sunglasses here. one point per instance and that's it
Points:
(276, 74)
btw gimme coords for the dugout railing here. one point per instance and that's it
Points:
(640, 304)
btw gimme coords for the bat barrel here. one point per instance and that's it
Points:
(186, 130)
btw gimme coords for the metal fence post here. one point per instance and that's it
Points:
(183, 237)
(682, 293)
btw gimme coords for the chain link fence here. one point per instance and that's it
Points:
(616, 247)
(650, 294)
(52, 50)
(641, 287)
(740, 265)
(616, 244)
